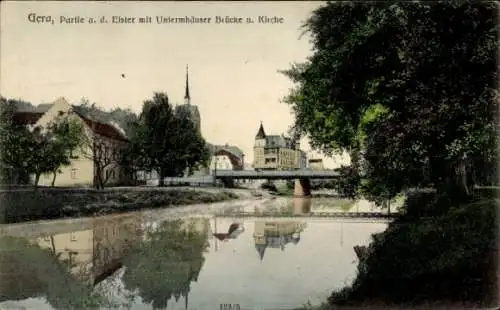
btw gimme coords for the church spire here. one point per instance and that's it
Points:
(187, 97)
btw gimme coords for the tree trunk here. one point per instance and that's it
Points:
(53, 244)
(14, 179)
(37, 179)
(54, 178)
(98, 177)
(100, 183)
(161, 180)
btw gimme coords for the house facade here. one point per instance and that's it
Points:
(275, 152)
(101, 144)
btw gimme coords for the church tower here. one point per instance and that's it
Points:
(187, 107)
(194, 115)
(187, 97)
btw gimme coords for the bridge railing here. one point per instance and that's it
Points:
(275, 173)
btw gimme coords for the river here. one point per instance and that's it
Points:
(251, 254)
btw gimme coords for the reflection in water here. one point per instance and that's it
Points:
(166, 263)
(276, 235)
(163, 261)
(93, 253)
(234, 230)
(62, 268)
(301, 205)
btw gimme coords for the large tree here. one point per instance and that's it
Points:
(52, 147)
(165, 141)
(15, 140)
(37, 150)
(408, 88)
(66, 139)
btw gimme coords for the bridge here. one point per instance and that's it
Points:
(275, 174)
(302, 177)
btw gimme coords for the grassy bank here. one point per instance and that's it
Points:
(22, 206)
(433, 255)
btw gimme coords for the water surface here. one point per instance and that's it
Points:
(187, 258)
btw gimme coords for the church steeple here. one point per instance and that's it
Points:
(187, 97)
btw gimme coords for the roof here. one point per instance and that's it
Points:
(27, 118)
(261, 134)
(232, 149)
(44, 107)
(275, 141)
(105, 130)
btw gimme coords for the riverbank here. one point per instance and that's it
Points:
(430, 257)
(54, 203)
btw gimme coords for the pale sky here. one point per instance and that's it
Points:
(234, 78)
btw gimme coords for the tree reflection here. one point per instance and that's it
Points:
(164, 266)
(27, 271)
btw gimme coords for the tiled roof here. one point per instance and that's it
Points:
(105, 130)
(44, 107)
(26, 118)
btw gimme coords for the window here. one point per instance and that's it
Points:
(73, 173)
(72, 237)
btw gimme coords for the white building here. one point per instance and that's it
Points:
(220, 162)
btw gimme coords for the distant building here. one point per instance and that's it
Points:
(275, 152)
(303, 160)
(109, 139)
(248, 166)
(316, 164)
(226, 157)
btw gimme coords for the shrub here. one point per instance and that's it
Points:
(448, 257)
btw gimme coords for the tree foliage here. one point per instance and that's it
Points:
(15, 141)
(408, 86)
(36, 151)
(53, 147)
(166, 141)
(165, 265)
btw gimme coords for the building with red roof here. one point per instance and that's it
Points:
(98, 154)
